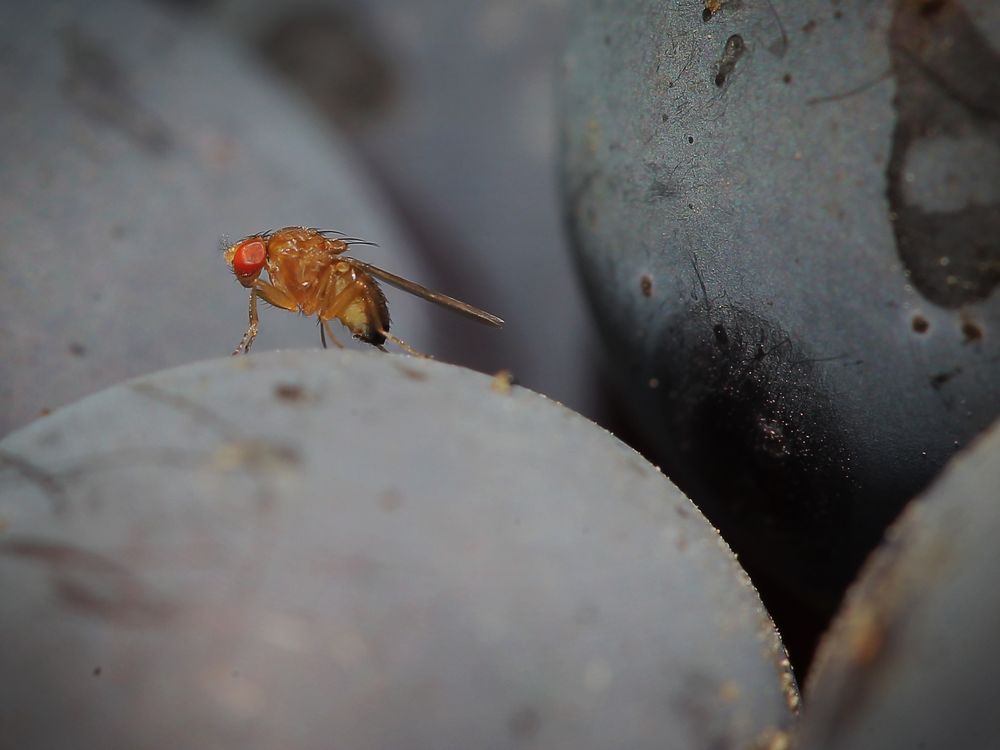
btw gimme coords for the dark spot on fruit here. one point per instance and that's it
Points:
(412, 373)
(971, 331)
(787, 78)
(77, 349)
(809, 26)
(942, 378)
(690, 139)
(721, 337)
(607, 40)
(289, 391)
(706, 15)
(646, 285)
(96, 672)
(635, 465)
(732, 52)
(948, 97)
(664, 117)
(837, 15)
(920, 324)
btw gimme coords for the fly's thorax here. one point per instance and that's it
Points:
(301, 270)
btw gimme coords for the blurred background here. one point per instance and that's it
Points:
(137, 134)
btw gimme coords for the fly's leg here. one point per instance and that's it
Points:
(272, 295)
(275, 296)
(403, 345)
(324, 326)
(247, 341)
(336, 306)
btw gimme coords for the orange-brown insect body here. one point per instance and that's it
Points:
(308, 273)
(303, 264)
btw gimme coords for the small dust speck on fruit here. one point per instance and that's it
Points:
(289, 392)
(503, 381)
(412, 373)
(971, 331)
(646, 285)
(920, 324)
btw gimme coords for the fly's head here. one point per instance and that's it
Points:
(247, 258)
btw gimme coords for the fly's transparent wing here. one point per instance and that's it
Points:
(455, 305)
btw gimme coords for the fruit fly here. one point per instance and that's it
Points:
(308, 273)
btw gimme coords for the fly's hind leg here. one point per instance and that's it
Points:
(403, 345)
(333, 309)
(324, 331)
(247, 341)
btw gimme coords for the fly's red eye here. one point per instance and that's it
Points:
(249, 257)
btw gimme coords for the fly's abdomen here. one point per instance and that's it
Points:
(367, 314)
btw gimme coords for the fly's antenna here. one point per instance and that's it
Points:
(356, 241)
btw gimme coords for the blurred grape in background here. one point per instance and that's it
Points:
(787, 215)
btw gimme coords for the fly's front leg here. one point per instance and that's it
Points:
(247, 341)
